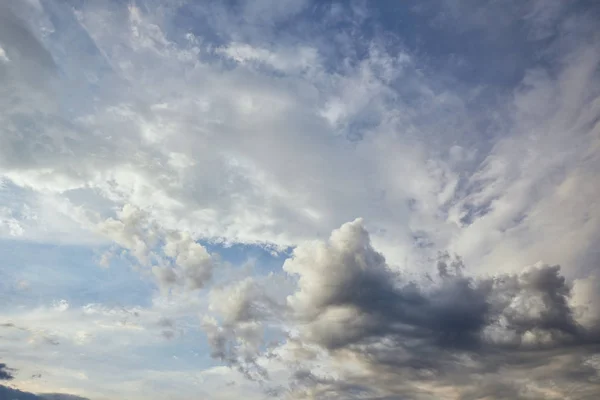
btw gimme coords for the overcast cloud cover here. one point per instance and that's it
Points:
(299, 199)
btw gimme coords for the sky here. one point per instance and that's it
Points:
(299, 199)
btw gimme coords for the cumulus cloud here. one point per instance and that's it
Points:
(438, 335)
(241, 314)
(195, 262)
(356, 328)
(175, 258)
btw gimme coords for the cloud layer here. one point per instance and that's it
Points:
(419, 180)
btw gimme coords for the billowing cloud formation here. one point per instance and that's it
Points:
(447, 336)
(438, 338)
(176, 259)
(347, 294)
(244, 308)
(240, 146)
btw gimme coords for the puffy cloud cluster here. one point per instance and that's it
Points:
(348, 294)
(193, 264)
(243, 313)
(273, 138)
(445, 336)
(177, 259)
(450, 333)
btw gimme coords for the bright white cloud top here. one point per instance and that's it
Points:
(300, 199)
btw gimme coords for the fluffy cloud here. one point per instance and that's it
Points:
(351, 130)
(347, 294)
(174, 257)
(242, 312)
(442, 335)
(447, 336)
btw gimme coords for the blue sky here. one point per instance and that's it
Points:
(300, 199)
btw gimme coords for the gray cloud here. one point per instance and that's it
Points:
(5, 372)
(236, 330)
(175, 259)
(449, 334)
(438, 335)
(61, 396)
(7, 393)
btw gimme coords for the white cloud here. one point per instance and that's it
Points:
(173, 256)
(286, 60)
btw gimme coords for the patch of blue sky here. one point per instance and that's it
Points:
(35, 274)
(260, 258)
(456, 39)
(192, 18)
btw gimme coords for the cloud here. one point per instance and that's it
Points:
(59, 396)
(347, 294)
(351, 130)
(87, 334)
(466, 136)
(7, 393)
(242, 313)
(436, 335)
(278, 185)
(195, 262)
(584, 302)
(5, 372)
(174, 257)
(354, 326)
(284, 60)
